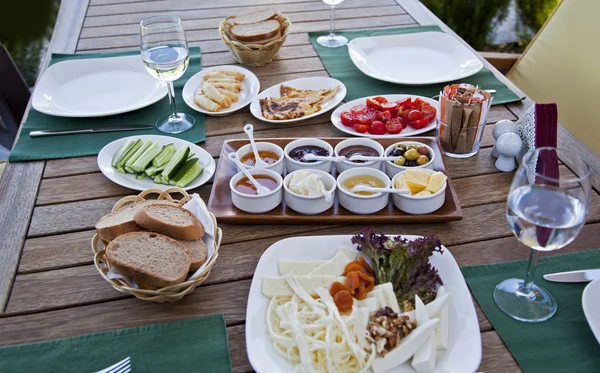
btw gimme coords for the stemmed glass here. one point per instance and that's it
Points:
(546, 211)
(332, 40)
(166, 56)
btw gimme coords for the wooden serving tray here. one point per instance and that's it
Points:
(222, 207)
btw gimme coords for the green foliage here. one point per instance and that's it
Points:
(534, 13)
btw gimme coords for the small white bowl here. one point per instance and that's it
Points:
(391, 169)
(257, 204)
(277, 166)
(309, 205)
(292, 165)
(419, 205)
(359, 204)
(346, 165)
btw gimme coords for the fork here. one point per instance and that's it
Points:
(123, 366)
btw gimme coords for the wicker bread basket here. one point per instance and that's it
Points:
(254, 54)
(170, 293)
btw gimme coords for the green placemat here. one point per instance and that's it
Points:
(565, 343)
(340, 66)
(194, 345)
(52, 147)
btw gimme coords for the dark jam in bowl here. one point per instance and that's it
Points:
(298, 153)
(351, 150)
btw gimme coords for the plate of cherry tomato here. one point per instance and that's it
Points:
(387, 116)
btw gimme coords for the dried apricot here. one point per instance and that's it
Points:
(353, 266)
(365, 277)
(336, 287)
(343, 300)
(366, 265)
(352, 281)
(361, 292)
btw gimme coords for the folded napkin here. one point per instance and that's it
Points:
(193, 345)
(339, 65)
(565, 343)
(77, 145)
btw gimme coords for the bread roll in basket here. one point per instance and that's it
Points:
(169, 293)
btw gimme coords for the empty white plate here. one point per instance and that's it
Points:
(96, 87)
(414, 59)
(129, 181)
(250, 88)
(302, 83)
(464, 351)
(591, 306)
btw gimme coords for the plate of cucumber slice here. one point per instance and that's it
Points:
(151, 161)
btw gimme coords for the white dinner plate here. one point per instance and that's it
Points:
(591, 306)
(129, 181)
(250, 88)
(408, 131)
(464, 351)
(302, 83)
(96, 87)
(414, 59)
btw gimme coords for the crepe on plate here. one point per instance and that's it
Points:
(295, 103)
(219, 90)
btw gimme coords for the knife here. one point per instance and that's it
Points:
(87, 130)
(584, 275)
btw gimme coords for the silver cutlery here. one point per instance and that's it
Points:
(123, 366)
(584, 275)
(88, 130)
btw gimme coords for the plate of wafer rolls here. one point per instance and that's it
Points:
(221, 90)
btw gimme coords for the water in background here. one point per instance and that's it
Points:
(494, 25)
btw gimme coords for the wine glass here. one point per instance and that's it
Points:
(332, 40)
(166, 56)
(547, 207)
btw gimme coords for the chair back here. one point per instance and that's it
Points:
(14, 96)
(561, 65)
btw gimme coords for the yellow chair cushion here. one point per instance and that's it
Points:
(562, 65)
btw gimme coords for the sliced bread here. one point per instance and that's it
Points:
(154, 261)
(198, 250)
(262, 15)
(173, 221)
(122, 221)
(256, 32)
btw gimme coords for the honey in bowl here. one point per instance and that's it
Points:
(266, 155)
(368, 180)
(246, 187)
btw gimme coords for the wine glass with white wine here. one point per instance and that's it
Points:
(166, 56)
(332, 40)
(547, 207)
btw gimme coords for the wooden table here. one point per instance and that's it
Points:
(48, 285)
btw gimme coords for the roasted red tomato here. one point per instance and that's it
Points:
(414, 115)
(377, 128)
(407, 102)
(418, 124)
(375, 102)
(428, 112)
(418, 103)
(347, 119)
(358, 109)
(361, 128)
(384, 116)
(365, 117)
(390, 107)
(394, 126)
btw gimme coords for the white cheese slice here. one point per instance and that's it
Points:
(360, 325)
(352, 254)
(424, 358)
(368, 303)
(442, 313)
(278, 286)
(377, 294)
(406, 349)
(435, 307)
(333, 267)
(389, 296)
(421, 314)
(298, 267)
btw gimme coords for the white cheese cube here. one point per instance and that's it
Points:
(298, 267)
(352, 254)
(278, 286)
(389, 296)
(424, 359)
(334, 266)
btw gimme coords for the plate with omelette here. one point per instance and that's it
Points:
(298, 99)
(221, 90)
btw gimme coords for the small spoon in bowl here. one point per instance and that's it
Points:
(249, 129)
(259, 188)
(366, 188)
(368, 158)
(314, 157)
(328, 194)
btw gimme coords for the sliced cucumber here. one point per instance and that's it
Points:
(178, 159)
(158, 179)
(140, 176)
(138, 144)
(129, 169)
(121, 170)
(191, 154)
(137, 154)
(188, 173)
(164, 156)
(146, 158)
(127, 144)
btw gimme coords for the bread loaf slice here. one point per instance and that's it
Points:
(254, 17)
(154, 261)
(255, 32)
(173, 221)
(122, 221)
(198, 250)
